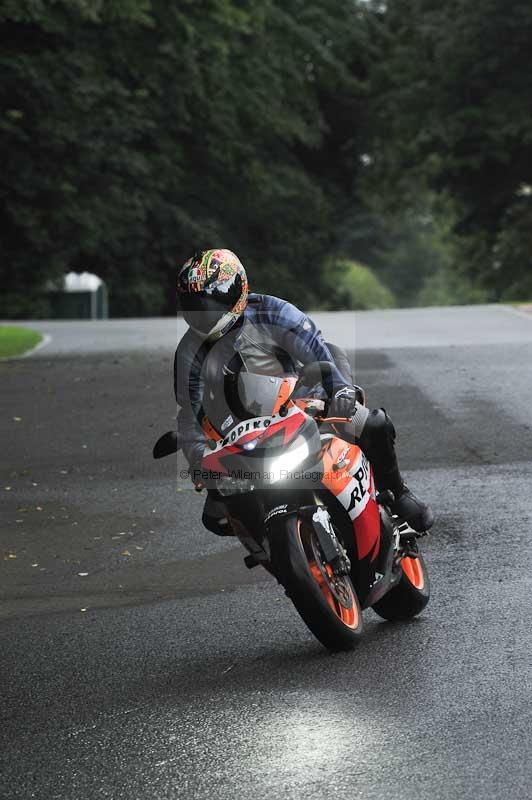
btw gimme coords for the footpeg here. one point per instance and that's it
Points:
(406, 532)
(250, 561)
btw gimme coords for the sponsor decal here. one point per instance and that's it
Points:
(227, 422)
(195, 275)
(256, 424)
(275, 512)
(343, 455)
(361, 484)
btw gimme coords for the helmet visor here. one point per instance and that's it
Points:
(202, 311)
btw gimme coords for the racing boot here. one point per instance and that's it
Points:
(413, 510)
(214, 517)
(377, 440)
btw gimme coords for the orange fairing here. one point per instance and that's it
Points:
(347, 475)
(285, 391)
(209, 431)
(335, 472)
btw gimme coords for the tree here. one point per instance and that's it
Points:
(138, 132)
(450, 107)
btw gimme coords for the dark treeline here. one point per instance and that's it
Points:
(309, 137)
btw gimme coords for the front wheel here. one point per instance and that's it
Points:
(410, 596)
(326, 602)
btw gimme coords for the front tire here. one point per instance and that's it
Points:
(410, 596)
(326, 602)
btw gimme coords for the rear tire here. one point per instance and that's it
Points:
(327, 603)
(410, 596)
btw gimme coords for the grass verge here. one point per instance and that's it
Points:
(15, 341)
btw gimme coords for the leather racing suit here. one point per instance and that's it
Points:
(273, 337)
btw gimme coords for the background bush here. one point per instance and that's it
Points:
(354, 286)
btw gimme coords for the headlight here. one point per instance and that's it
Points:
(228, 486)
(281, 467)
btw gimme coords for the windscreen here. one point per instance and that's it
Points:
(234, 398)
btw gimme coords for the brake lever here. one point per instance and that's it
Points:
(333, 419)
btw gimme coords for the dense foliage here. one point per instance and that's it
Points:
(451, 111)
(303, 135)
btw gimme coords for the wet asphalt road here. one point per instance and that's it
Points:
(140, 659)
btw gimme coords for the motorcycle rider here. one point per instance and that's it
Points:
(267, 335)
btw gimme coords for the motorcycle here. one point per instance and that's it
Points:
(300, 496)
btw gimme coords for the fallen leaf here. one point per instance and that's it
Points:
(11, 555)
(125, 553)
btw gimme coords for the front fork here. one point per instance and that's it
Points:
(333, 551)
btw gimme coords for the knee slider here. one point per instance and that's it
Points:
(378, 434)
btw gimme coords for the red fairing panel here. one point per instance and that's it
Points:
(259, 428)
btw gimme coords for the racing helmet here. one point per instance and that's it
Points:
(212, 292)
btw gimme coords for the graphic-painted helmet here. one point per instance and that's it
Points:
(212, 292)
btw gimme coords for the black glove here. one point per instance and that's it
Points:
(196, 475)
(343, 401)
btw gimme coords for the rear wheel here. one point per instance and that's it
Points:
(410, 596)
(326, 602)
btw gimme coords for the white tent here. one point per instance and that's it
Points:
(81, 282)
